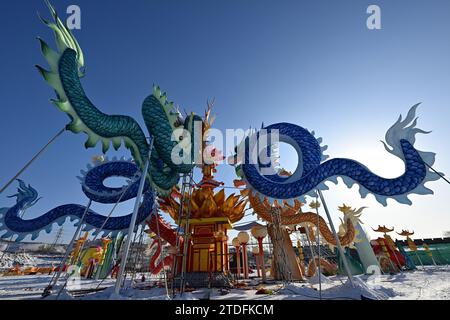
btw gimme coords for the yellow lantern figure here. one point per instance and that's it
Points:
(79, 244)
(427, 249)
(301, 257)
(412, 246)
(429, 253)
(385, 250)
(391, 245)
(312, 234)
(105, 244)
(389, 242)
(300, 252)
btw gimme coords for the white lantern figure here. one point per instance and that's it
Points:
(260, 232)
(244, 238)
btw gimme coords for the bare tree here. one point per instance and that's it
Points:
(446, 233)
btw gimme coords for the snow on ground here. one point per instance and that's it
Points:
(10, 260)
(431, 283)
(23, 287)
(31, 287)
(31, 247)
(29, 254)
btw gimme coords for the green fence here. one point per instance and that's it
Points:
(441, 254)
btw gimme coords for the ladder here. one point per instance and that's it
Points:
(57, 237)
(187, 186)
(138, 256)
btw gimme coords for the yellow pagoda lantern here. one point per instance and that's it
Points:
(211, 215)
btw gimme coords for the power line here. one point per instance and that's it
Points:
(32, 160)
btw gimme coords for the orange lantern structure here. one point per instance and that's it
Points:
(78, 246)
(211, 215)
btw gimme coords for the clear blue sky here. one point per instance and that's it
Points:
(313, 63)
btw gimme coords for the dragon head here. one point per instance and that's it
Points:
(351, 214)
(64, 40)
(406, 129)
(26, 195)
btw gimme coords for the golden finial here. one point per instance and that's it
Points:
(314, 205)
(209, 119)
(345, 209)
(383, 229)
(406, 233)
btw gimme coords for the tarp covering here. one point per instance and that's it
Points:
(248, 226)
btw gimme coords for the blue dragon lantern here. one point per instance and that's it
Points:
(315, 170)
(95, 190)
(66, 67)
(163, 122)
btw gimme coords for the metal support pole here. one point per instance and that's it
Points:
(258, 264)
(344, 259)
(132, 226)
(162, 253)
(187, 236)
(434, 261)
(138, 253)
(32, 160)
(262, 261)
(245, 258)
(66, 255)
(420, 260)
(438, 173)
(238, 262)
(177, 254)
(313, 256)
(101, 229)
(319, 252)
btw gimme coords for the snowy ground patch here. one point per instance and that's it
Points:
(9, 260)
(430, 283)
(24, 259)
